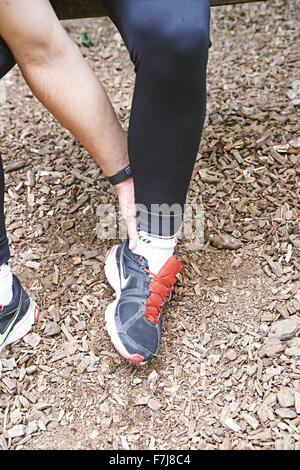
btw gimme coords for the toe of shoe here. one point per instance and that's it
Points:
(135, 350)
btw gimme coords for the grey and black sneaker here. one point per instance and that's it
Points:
(133, 319)
(17, 318)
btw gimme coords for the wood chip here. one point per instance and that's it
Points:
(155, 405)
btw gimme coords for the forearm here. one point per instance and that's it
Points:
(73, 94)
(62, 80)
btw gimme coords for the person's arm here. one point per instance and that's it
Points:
(62, 80)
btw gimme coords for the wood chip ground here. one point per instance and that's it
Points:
(227, 371)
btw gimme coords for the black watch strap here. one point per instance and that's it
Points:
(120, 176)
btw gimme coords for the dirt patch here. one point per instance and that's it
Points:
(221, 379)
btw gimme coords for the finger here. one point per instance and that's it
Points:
(132, 234)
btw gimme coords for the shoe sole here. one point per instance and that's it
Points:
(23, 326)
(112, 275)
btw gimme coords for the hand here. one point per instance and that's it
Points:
(125, 192)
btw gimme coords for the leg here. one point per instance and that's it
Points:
(17, 312)
(4, 248)
(6, 279)
(168, 42)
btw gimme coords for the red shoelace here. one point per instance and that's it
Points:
(161, 286)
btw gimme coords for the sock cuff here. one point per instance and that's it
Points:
(158, 241)
(162, 220)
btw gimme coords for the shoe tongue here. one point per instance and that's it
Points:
(135, 257)
(171, 266)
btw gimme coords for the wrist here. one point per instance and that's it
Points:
(120, 176)
(123, 185)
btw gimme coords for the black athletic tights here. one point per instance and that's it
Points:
(168, 43)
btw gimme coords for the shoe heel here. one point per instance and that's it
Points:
(24, 325)
(111, 269)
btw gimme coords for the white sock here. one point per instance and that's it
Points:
(6, 281)
(157, 250)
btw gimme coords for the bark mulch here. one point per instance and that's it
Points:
(227, 371)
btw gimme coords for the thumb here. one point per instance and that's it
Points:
(132, 234)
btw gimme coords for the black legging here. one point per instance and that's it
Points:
(4, 248)
(168, 43)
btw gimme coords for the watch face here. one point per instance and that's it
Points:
(128, 170)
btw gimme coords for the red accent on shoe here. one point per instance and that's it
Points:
(136, 359)
(107, 253)
(36, 314)
(1, 308)
(161, 286)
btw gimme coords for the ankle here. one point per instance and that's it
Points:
(156, 249)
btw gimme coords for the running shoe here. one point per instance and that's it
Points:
(17, 318)
(133, 319)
